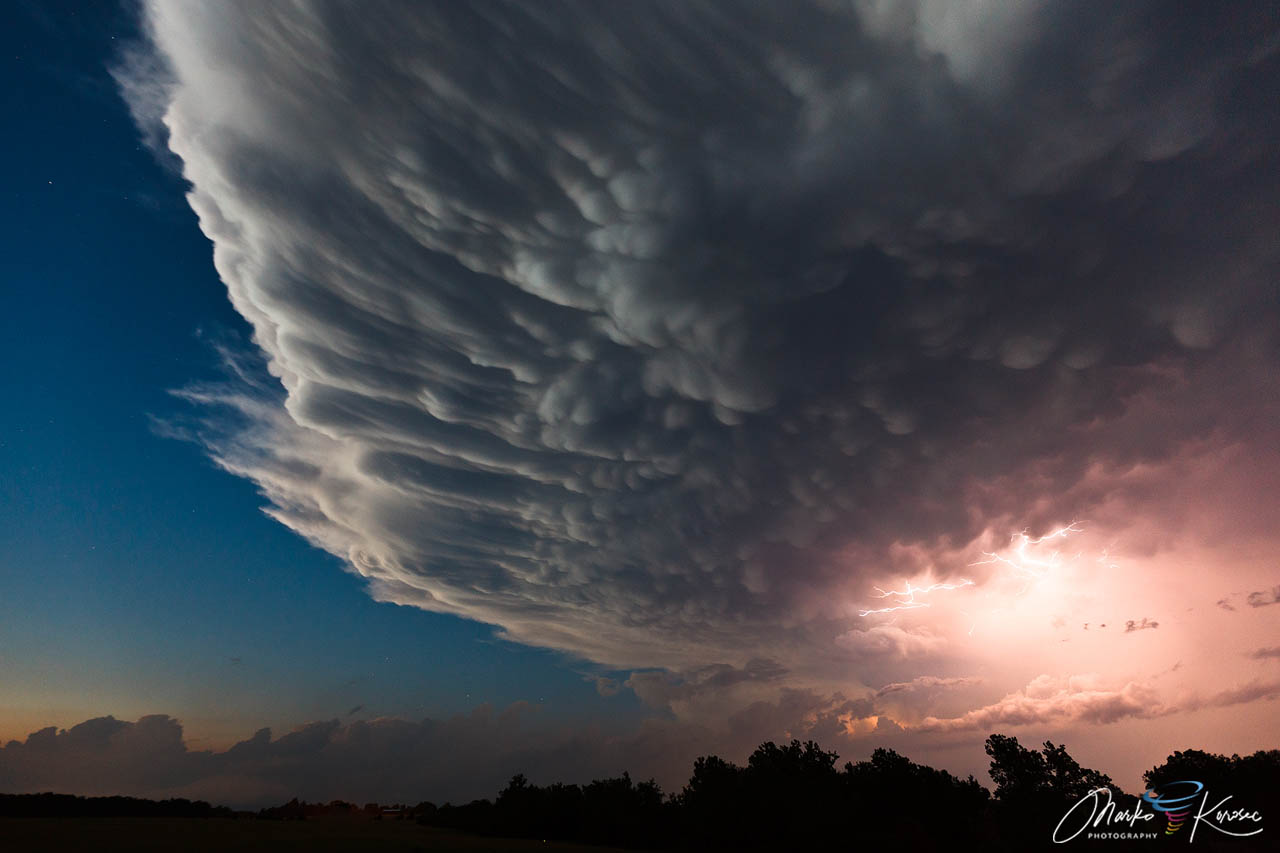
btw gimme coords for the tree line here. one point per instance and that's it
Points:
(788, 797)
(794, 797)
(68, 805)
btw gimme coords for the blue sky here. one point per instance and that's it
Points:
(134, 571)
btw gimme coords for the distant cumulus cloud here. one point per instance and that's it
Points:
(1049, 701)
(456, 758)
(645, 332)
(1264, 597)
(1251, 692)
(1058, 702)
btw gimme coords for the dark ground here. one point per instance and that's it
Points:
(223, 834)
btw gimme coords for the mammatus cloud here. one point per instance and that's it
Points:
(662, 334)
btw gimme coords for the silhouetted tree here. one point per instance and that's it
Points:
(1021, 775)
(1067, 779)
(888, 794)
(1251, 782)
(710, 801)
(292, 810)
(1034, 790)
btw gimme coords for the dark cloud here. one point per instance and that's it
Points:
(1264, 597)
(1266, 653)
(1225, 604)
(925, 682)
(643, 331)
(659, 689)
(1142, 624)
(606, 686)
(357, 709)
(1251, 692)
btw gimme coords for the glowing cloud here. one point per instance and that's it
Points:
(1021, 557)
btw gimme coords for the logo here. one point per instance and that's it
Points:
(1175, 802)
(1096, 815)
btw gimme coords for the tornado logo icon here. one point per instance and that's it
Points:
(1174, 803)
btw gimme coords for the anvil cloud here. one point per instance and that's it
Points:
(661, 333)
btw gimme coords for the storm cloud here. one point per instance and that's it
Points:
(658, 333)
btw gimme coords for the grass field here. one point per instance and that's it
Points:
(220, 834)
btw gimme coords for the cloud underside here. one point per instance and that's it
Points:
(644, 332)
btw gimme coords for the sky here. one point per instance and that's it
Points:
(400, 398)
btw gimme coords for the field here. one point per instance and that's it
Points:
(220, 834)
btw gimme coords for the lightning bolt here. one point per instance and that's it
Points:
(1025, 556)
(1023, 562)
(1104, 559)
(891, 609)
(908, 596)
